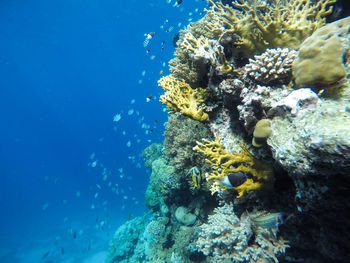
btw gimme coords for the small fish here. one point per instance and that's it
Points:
(45, 255)
(150, 35)
(94, 164)
(116, 118)
(160, 72)
(149, 98)
(148, 50)
(196, 176)
(267, 220)
(75, 235)
(98, 186)
(177, 3)
(155, 122)
(176, 37)
(62, 251)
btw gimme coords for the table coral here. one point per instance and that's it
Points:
(180, 97)
(224, 163)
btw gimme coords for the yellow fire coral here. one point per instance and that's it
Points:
(193, 44)
(225, 163)
(180, 97)
(262, 24)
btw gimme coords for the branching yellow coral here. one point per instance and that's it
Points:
(194, 44)
(180, 97)
(278, 23)
(225, 163)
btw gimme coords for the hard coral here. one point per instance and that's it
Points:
(321, 61)
(225, 163)
(274, 65)
(180, 97)
(262, 24)
(227, 238)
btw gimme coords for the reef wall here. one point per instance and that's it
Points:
(255, 166)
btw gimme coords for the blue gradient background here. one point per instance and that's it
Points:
(66, 68)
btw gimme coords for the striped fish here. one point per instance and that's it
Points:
(267, 220)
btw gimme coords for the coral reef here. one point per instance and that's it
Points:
(124, 247)
(225, 163)
(226, 238)
(290, 101)
(181, 134)
(180, 97)
(261, 132)
(259, 24)
(322, 58)
(272, 65)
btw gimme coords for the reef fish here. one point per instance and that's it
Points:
(267, 220)
(196, 176)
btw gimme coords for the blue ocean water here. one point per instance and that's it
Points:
(70, 175)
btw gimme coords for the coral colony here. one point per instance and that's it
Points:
(255, 162)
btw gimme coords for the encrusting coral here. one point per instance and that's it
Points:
(180, 97)
(225, 163)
